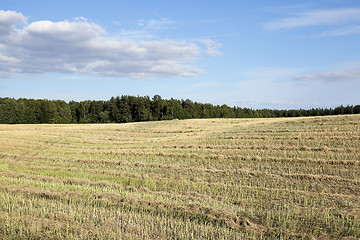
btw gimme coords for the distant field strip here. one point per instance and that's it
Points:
(293, 178)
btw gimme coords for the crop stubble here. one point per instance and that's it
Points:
(187, 179)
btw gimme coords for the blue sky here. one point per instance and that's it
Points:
(258, 54)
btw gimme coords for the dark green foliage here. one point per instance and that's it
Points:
(123, 104)
(141, 110)
(75, 113)
(156, 106)
(357, 109)
(135, 109)
(114, 111)
(84, 109)
(9, 111)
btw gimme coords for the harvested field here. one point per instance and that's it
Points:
(293, 178)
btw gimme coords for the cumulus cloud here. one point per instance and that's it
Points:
(316, 18)
(8, 20)
(335, 76)
(80, 46)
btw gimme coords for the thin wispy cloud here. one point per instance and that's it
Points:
(146, 29)
(212, 47)
(202, 85)
(269, 74)
(332, 17)
(157, 24)
(332, 76)
(80, 46)
(344, 31)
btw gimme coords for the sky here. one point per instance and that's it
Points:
(276, 54)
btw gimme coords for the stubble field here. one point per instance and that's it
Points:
(295, 178)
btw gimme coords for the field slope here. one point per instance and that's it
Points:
(295, 178)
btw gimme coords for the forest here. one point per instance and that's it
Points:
(138, 108)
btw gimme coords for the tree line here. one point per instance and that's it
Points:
(135, 109)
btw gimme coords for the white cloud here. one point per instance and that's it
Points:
(80, 46)
(7, 60)
(316, 18)
(8, 21)
(335, 76)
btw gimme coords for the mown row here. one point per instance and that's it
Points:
(295, 178)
